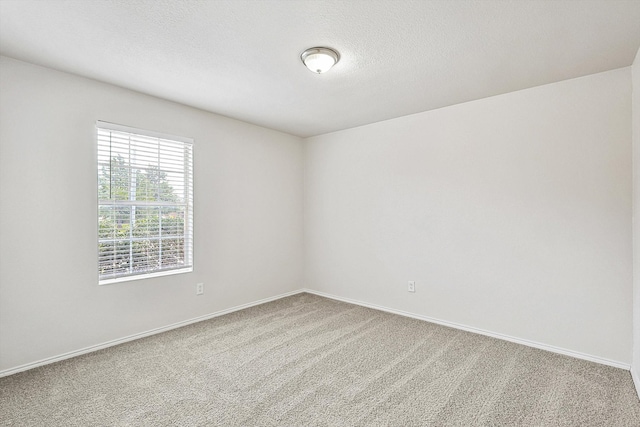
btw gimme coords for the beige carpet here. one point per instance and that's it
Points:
(306, 360)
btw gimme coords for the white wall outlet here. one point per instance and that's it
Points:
(199, 288)
(412, 286)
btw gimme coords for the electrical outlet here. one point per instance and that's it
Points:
(412, 286)
(199, 288)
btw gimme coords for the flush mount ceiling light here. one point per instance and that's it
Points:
(320, 59)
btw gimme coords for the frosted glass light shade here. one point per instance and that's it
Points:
(320, 59)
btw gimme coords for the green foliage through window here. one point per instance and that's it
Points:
(145, 204)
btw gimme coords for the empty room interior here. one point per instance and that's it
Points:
(323, 213)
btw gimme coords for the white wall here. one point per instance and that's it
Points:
(511, 213)
(635, 122)
(248, 215)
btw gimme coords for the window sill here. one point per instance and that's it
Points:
(145, 276)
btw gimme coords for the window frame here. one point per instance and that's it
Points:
(188, 204)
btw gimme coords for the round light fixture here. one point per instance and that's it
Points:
(320, 59)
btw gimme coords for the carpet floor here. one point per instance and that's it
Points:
(311, 361)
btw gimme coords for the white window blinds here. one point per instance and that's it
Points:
(145, 203)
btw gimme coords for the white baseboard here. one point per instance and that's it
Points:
(528, 343)
(454, 325)
(25, 367)
(636, 381)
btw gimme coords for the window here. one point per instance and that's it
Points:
(145, 203)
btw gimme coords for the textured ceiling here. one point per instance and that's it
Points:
(241, 58)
